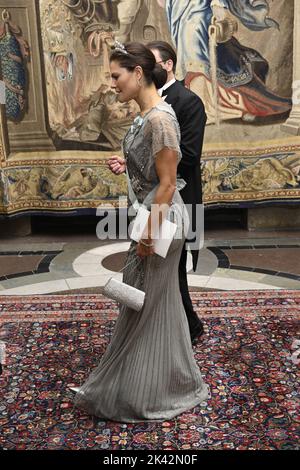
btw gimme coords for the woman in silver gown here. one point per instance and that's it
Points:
(148, 371)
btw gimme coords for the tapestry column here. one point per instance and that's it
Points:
(30, 133)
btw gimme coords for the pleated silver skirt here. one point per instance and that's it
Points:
(148, 371)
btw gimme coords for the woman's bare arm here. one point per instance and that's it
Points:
(166, 168)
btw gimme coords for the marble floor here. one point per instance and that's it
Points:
(74, 260)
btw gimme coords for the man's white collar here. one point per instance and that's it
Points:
(166, 85)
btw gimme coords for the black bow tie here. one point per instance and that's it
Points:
(164, 93)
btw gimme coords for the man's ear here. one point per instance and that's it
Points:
(170, 64)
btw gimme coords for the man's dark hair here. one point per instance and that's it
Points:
(166, 51)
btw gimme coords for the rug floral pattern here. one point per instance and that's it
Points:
(245, 357)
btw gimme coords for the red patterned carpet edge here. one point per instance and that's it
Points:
(245, 357)
(82, 306)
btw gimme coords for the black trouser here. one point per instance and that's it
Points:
(192, 316)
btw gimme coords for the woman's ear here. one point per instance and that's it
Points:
(139, 72)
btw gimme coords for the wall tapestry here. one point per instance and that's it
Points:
(239, 56)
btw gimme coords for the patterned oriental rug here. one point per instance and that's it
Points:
(247, 357)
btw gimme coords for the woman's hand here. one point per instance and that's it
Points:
(145, 248)
(116, 164)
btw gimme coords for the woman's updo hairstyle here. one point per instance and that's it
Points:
(133, 54)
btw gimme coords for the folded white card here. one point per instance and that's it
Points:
(162, 239)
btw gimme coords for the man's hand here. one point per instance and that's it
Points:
(116, 164)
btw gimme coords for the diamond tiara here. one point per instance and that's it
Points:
(118, 46)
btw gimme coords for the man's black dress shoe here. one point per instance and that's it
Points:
(197, 331)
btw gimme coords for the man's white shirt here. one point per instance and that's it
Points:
(166, 86)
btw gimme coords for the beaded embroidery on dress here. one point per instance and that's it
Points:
(148, 371)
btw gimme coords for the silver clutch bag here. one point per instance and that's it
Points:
(124, 294)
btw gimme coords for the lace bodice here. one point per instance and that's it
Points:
(146, 137)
